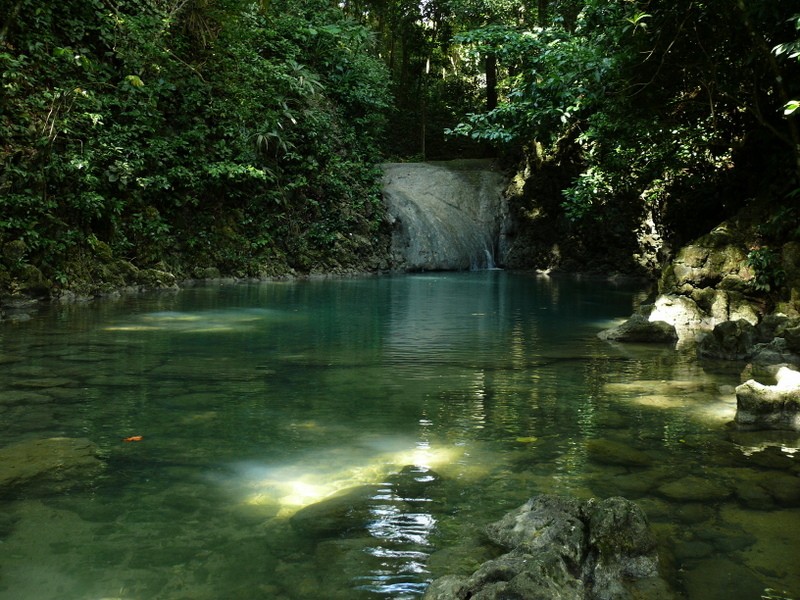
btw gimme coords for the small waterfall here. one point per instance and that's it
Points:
(447, 216)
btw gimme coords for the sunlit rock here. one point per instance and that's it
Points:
(680, 312)
(770, 406)
(564, 548)
(639, 329)
(48, 465)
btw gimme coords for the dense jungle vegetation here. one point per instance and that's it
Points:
(141, 139)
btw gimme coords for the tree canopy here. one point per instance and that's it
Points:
(245, 135)
(222, 133)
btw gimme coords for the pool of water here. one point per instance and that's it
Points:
(435, 403)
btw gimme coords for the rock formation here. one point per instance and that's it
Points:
(564, 548)
(639, 328)
(446, 215)
(770, 406)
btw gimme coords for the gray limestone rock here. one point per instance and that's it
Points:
(567, 549)
(770, 406)
(444, 215)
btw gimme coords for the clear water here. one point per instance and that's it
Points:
(444, 400)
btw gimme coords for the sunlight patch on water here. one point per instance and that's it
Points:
(719, 411)
(222, 321)
(712, 407)
(289, 488)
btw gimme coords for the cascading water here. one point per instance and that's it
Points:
(447, 216)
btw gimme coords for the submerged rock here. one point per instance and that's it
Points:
(344, 511)
(770, 406)
(564, 548)
(48, 465)
(616, 453)
(695, 489)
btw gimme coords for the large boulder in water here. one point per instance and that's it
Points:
(566, 549)
(639, 328)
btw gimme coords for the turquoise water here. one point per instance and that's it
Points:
(435, 402)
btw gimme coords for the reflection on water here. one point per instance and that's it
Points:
(349, 439)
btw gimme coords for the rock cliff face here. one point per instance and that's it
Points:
(711, 280)
(445, 215)
(733, 308)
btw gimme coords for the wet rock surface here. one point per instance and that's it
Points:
(565, 548)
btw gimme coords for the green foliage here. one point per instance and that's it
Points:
(667, 109)
(784, 225)
(553, 78)
(792, 51)
(766, 264)
(207, 133)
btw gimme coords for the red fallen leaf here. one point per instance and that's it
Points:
(133, 438)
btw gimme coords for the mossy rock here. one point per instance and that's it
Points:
(102, 250)
(206, 273)
(14, 251)
(155, 278)
(345, 511)
(30, 280)
(695, 489)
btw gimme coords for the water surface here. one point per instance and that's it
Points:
(437, 402)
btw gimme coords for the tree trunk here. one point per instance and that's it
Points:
(541, 13)
(490, 63)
